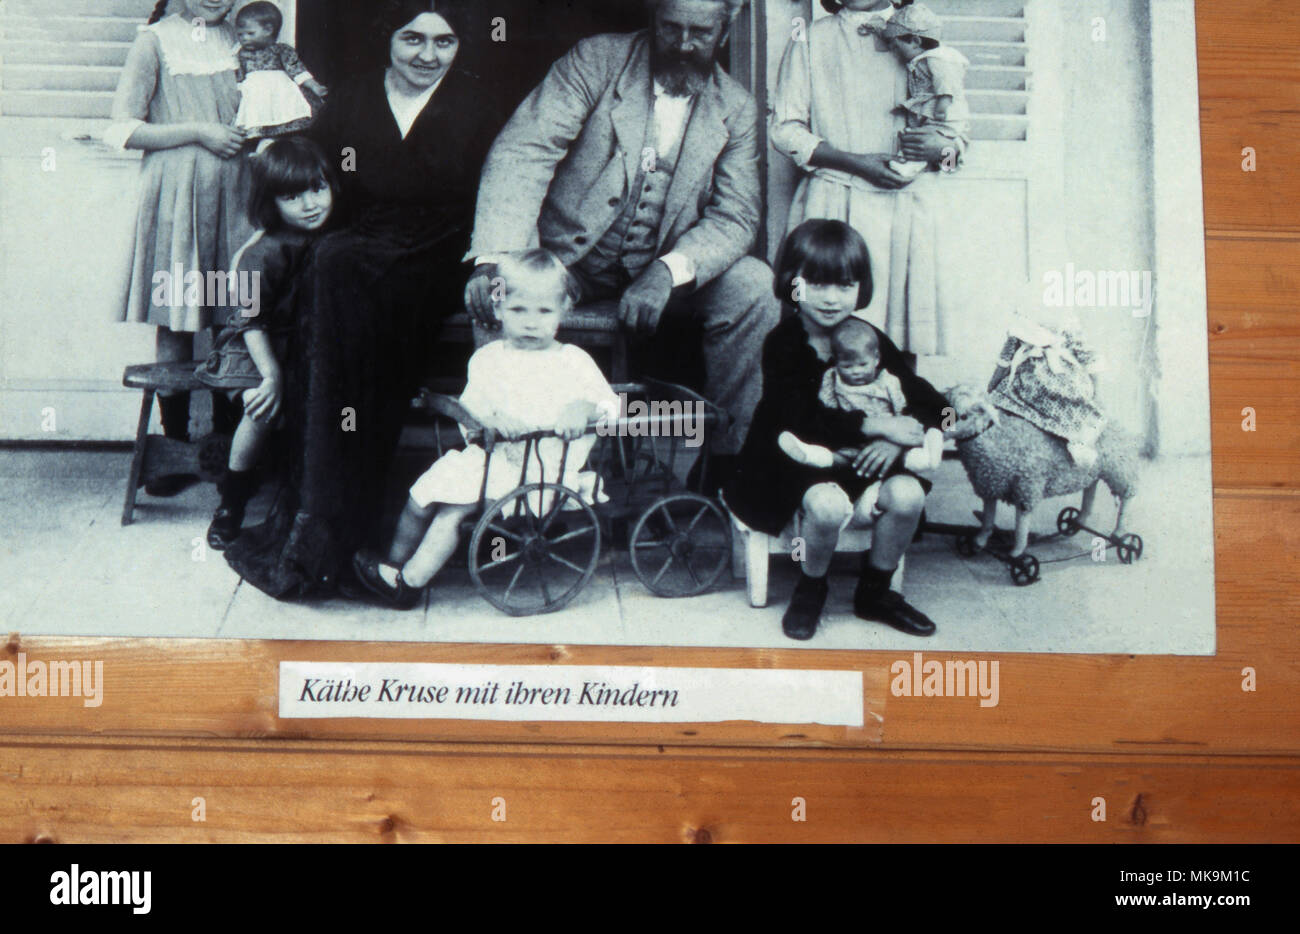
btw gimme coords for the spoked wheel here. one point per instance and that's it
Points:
(1067, 521)
(966, 546)
(1024, 570)
(1129, 548)
(681, 545)
(534, 549)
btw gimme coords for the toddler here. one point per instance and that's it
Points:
(525, 382)
(271, 76)
(936, 74)
(857, 383)
(293, 194)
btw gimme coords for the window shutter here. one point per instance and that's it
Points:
(62, 58)
(991, 33)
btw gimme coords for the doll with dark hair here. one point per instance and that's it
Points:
(271, 76)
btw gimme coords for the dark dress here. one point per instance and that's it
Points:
(370, 301)
(276, 259)
(768, 487)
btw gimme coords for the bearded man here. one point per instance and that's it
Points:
(636, 162)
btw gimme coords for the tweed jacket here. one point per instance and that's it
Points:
(558, 173)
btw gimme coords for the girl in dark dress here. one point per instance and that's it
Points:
(824, 274)
(410, 143)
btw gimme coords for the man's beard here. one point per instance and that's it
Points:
(681, 76)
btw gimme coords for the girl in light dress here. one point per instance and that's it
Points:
(834, 115)
(177, 100)
(527, 381)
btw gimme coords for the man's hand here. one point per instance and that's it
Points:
(478, 296)
(646, 298)
(876, 459)
(926, 144)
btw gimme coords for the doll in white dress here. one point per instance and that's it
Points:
(271, 76)
(523, 383)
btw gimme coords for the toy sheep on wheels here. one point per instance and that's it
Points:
(1008, 459)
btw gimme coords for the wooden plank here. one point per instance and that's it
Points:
(314, 793)
(1250, 96)
(1254, 354)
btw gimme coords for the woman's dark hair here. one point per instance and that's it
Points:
(463, 16)
(833, 6)
(823, 252)
(159, 11)
(265, 14)
(287, 167)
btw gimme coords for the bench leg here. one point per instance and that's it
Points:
(137, 457)
(756, 555)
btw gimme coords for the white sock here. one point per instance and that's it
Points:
(811, 454)
(389, 574)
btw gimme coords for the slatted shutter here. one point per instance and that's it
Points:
(992, 34)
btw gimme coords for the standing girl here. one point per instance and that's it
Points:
(293, 195)
(824, 275)
(177, 101)
(834, 115)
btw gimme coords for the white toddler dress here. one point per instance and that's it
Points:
(533, 386)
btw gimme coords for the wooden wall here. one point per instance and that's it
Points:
(1178, 750)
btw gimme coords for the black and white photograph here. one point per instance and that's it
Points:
(759, 324)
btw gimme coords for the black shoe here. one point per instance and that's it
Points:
(805, 610)
(171, 485)
(889, 607)
(225, 528)
(401, 597)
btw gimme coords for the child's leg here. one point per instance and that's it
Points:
(826, 508)
(411, 526)
(438, 544)
(250, 438)
(900, 504)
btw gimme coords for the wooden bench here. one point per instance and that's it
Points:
(155, 456)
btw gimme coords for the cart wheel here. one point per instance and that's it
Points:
(681, 545)
(1067, 521)
(524, 559)
(1129, 548)
(1024, 570)
(966, 546)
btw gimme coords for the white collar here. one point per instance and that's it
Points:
(406, 110)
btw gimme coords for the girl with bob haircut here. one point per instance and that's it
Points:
(294, 188)
(823, 276)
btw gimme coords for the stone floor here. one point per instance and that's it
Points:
(67, 567)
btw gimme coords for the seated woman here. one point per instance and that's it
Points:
(410, 142)
(824, 275)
